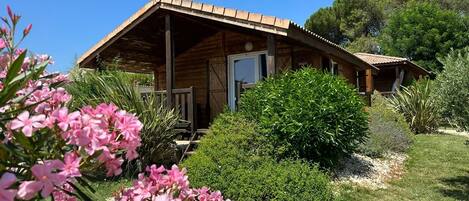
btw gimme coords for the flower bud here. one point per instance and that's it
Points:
(27, 30)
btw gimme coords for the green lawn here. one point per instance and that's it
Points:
(437, 169)
(109, 188)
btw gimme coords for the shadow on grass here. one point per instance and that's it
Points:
(457, 187)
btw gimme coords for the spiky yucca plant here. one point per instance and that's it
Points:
(417, 106)
(110, 86)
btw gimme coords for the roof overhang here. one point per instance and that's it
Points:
(252, 21)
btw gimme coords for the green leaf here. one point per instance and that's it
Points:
(15, 68)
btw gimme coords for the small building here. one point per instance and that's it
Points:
(394, 72)
(202, 55)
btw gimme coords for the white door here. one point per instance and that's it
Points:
(246, 68)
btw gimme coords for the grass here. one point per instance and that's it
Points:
(108, 188)
(437, 169)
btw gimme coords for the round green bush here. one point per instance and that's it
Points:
(234, 159)
(308, 114)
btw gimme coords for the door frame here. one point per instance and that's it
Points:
(231, 81)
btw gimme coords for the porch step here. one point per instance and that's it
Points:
(186, 142)
(189, 146)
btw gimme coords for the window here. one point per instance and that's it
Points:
(329, 65)
(245, 68)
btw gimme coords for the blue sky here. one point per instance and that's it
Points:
(65, 29)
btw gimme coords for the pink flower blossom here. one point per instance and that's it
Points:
(2, 44)
(178, 176)
(163, 197)
(166, 185)
(64, 118)
(6, 181)
(60, 195)
(113, 167)
(27, 124)
(71, 165)
(45, 181)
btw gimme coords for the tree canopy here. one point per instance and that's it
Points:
(423, 32)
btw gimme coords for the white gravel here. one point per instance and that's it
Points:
(371, 173)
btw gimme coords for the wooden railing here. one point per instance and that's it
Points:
(184, 104)
(239, 89)
(387, 94)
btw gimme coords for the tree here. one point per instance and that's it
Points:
(452, 89)
(423, 32)
(349, 20)
(364, 44)
(325, 23)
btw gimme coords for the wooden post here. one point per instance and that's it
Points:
(169, 61)
(155, 79)
(271, 51)
(369, 85)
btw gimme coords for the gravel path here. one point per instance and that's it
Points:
(371, 173)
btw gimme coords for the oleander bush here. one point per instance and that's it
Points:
(418, 106)
(45, 145)
(452, 89)
(234, 158)
(388, 130)
(308, 114)
(158, 134)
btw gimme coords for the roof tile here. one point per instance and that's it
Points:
(242, 14)
(230, 12)
(177, 2)
(218, 10)
(379, 59)
(255, 17)
(207, 8)
(268, 20)
(196, 6)
(186, 3)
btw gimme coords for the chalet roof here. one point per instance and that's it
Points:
(250, 20)
(378, 60)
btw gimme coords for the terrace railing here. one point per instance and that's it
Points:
(184, 105)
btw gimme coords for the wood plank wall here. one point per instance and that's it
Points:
(191, 66)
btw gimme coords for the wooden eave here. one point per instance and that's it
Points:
(409, 64)
(238, 18)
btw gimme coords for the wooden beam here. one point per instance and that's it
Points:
(369, 81)
(169, 61)
(271, 52)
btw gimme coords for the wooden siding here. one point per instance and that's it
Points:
(192, 67)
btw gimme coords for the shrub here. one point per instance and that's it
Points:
(43, 144)
(308, 114)
(452, 89)
(158, 135)
(389, 132)
(418, 106)
(235, 159)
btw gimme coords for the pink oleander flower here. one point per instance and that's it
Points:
(46, 180)
(64, 118)
(163, 197)
(27, 124)
(166, 185)
(113, 167)
(71, 166)
(178, 177)
(6, 181)
(2, 44)
(60, 195)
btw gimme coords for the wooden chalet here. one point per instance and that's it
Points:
(393, 72)
(202, 55)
